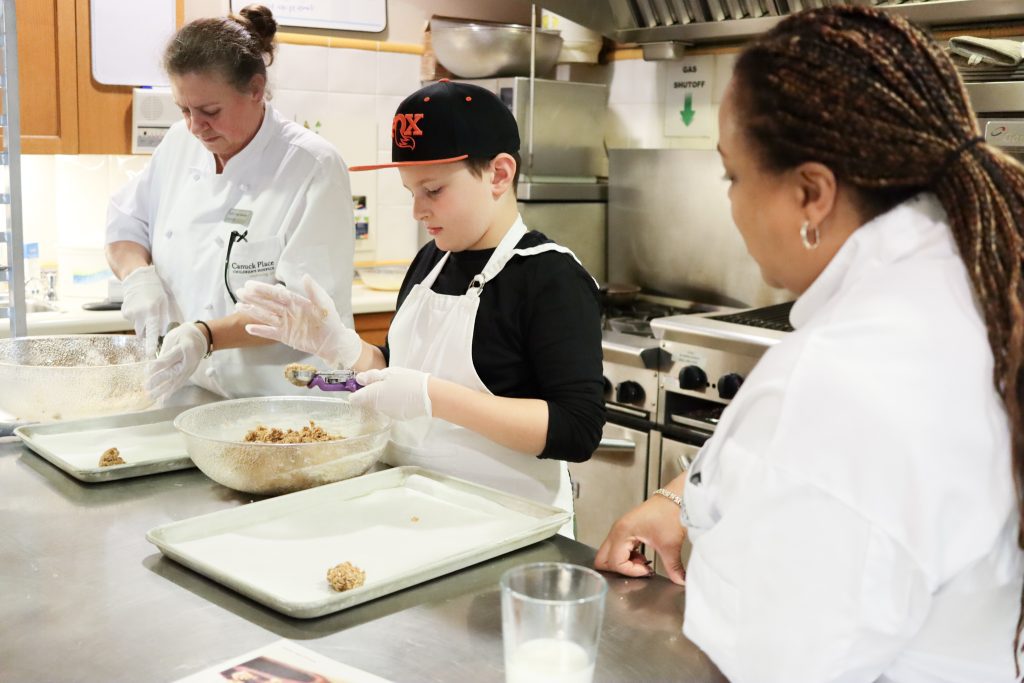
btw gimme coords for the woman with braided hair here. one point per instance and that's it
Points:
(856, 515)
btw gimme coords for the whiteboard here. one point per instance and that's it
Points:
(128, 40)
(341, 15)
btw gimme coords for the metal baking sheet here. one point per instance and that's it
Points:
(147, 441)
(401, 526)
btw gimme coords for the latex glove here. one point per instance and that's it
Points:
(654, 523)
(146, 305)
(308, 323)
(183, 348)
(399, 393)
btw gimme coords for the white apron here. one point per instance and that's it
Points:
(434, 333)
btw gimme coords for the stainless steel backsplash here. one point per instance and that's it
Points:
(671, 232)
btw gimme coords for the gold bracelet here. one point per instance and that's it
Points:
(671, 496)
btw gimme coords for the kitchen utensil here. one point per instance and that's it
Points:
(72, 376)
(386, 278)
(338, 380)
(402, 526)
(215, 439)
(478, 49)
(618, 294)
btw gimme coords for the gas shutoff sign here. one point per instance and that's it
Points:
(688, 97)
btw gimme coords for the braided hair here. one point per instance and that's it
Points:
(821, 80)
(238, 46)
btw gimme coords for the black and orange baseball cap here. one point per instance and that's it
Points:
(446, 122)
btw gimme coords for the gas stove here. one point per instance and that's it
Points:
(659, 403)
(709, 356)
(635, 318)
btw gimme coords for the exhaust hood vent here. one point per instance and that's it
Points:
(674, 23)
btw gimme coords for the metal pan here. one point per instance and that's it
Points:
(618, 294)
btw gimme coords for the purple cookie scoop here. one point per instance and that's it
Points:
(327, 382)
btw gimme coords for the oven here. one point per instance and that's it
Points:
(614, 479)
(619, 474)
(708, 356)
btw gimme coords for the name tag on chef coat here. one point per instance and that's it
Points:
(253, 260)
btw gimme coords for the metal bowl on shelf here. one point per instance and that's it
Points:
(479, 49)
(215, 440)
(72, 376)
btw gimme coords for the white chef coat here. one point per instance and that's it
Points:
(433, 333)
(288, 190)
(853, 517)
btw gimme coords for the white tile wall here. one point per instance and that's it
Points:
(83, 193)
(355, 101)
(299, 67)
(397, 73)
(39, 204)
(352, 71)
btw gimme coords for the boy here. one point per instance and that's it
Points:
(492, 366)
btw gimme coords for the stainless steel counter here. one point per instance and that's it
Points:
(84, 597)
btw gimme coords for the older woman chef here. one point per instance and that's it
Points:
(233, 193)
(855, 517)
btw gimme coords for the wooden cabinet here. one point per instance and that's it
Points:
(63, 109)
(373, 327)
(48, 76)
(104, 111)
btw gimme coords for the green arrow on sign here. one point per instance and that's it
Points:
(687, 112)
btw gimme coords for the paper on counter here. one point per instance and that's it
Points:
(284, 661)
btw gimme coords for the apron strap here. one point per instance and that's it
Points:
(551, 246)
(476, 287)
(428, 281)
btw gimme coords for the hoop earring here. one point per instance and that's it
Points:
(810, 236)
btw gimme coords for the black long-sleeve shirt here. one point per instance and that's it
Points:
(537, 335)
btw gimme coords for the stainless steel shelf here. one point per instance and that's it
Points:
(562, 192)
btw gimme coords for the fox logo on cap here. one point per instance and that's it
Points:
(403, 128)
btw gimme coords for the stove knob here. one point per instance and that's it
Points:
(629, 392)
(607, 386)
(729, 384)
(693, 378)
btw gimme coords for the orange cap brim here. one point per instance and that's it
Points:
(394, 164)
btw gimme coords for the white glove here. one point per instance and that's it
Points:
(400, 393)
(146, 305)
(308, 323)
(183, 348)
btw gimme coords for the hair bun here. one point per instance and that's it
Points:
(259, 20)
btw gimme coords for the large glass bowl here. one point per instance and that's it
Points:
(72, 376)
(215, 439)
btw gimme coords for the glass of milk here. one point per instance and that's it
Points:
(551, 615)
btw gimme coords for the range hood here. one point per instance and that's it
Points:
(664, 28)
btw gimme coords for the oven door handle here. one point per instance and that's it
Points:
(617, 445)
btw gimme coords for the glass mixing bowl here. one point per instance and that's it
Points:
(215, 439)
(72, 376)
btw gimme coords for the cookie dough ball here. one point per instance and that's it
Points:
(345, 576)
(111, 457)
